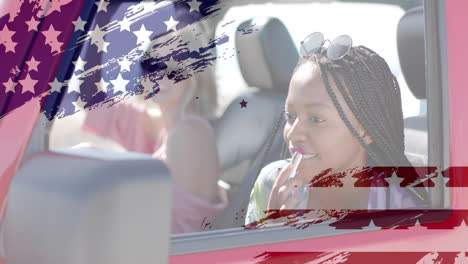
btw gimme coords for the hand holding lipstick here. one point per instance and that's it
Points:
(284, 194)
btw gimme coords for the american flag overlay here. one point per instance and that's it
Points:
(104, 58)
(110, 50)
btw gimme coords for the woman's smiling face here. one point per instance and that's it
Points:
(315, 127)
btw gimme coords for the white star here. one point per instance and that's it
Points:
(55, 6)
(97, 35)
(147, 7)
(32, 64)
(125, 64)
(79, 24)
(461, 226)
(371, 226)
(125, 24)
(28, 84)
(79, 64)
(9, 86)
(171, 24)
(460, 258)
(55, 86)
(143, 35)
(102, 6)
(172, 62)
(101, 85)
(79, 104)
(6, 39)
(418, 225)
(74, 84)
(394, 179)
(51, 38)
(102, 46)
(32, 24)
(194, 5)
(440, 179)
(119, 84)
(147, 84)
(97, 38)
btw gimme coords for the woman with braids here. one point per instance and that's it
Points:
(343, 114)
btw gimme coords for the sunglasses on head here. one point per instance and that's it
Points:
(337, 49)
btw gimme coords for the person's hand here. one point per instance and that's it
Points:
(281, 196)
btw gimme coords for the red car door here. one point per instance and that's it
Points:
(34, 52)
(444, 240)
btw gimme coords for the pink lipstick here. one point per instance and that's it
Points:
(295, 161)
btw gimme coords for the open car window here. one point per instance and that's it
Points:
(108, 70)
(374, 25)
(121, 55)
(382, 27)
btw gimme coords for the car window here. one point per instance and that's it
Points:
(111, 74)
(108, 71)
(374, 25)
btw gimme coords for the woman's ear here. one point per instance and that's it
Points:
(365, 137)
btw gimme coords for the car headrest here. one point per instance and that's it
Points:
(88, 206)
(410, 41)
(266, 53)
(241, 132)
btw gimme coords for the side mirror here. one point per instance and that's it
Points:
(88, 207)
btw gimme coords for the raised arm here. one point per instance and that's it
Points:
(126, 123)
(192, 158)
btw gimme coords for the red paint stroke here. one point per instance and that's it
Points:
(361, 257)
(379, 176)
(360, 219)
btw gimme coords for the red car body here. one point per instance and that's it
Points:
(380, 245)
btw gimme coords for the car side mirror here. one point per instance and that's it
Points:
(88, 207)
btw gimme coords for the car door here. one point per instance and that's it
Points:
(367, 240)
(60, 206)
(439, 233)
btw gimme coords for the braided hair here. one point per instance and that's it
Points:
(371, 91)
(373, 97)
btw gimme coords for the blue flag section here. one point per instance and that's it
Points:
(121, 48)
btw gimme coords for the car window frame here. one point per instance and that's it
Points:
(438, 128)
(438, 133)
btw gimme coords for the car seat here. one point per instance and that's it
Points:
(410, 41)
(267, 57)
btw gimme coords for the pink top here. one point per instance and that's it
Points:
(125, 124)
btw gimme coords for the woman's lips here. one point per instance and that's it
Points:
(294, 150)
(305, 154)
(310, 156)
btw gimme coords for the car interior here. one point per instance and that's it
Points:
(410, 37)
(45, 212)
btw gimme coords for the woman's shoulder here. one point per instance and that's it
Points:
(275, 165)
(258, 200)
(268, 173)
